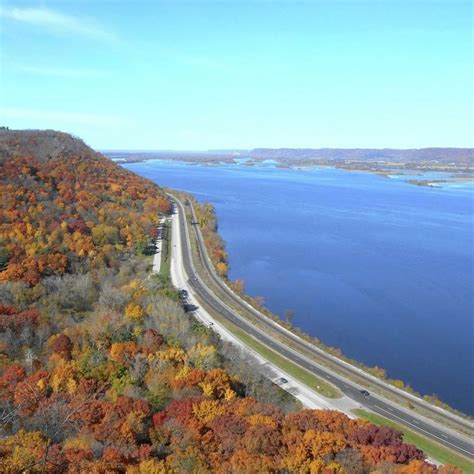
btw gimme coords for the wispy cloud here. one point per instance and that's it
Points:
(54, 118)
(57, 22)
(60, 72)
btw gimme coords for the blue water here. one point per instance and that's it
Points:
(375, 266)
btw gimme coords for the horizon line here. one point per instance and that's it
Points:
(230, 150)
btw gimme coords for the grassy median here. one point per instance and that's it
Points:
(165, 265)
(430, 448)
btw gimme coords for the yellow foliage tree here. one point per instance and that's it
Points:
(134, 311)
(207, 410)
(322, 443)
(21, 450)
(172, 354)
(64, 378)
(150, 466)
(217, 384)
(183, 372)
(222, 268)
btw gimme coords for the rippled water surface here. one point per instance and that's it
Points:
(377, 267)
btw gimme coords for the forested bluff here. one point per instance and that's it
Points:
(101, 370)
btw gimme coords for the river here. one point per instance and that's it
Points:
(378, 267)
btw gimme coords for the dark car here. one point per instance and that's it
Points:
(282, 380)
(365, 393)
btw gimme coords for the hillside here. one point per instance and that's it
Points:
(44, 145)
(102, 371)
(66, 207)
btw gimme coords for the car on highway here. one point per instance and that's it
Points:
(365, 393)
(282, 380)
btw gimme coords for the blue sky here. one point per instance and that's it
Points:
(207, 75)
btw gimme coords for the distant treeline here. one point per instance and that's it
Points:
(441, 155)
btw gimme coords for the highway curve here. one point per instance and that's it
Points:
(375, 403)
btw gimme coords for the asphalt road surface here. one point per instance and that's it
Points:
(388, 409)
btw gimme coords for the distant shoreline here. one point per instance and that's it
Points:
(462, 172)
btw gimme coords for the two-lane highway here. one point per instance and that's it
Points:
(388, 409)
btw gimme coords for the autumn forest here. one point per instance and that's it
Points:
(102, 371)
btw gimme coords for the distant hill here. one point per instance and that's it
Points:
(439, 155)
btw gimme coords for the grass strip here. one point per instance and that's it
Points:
(165, 265)
(430, 448)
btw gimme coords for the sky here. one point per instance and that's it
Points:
(199, 75)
